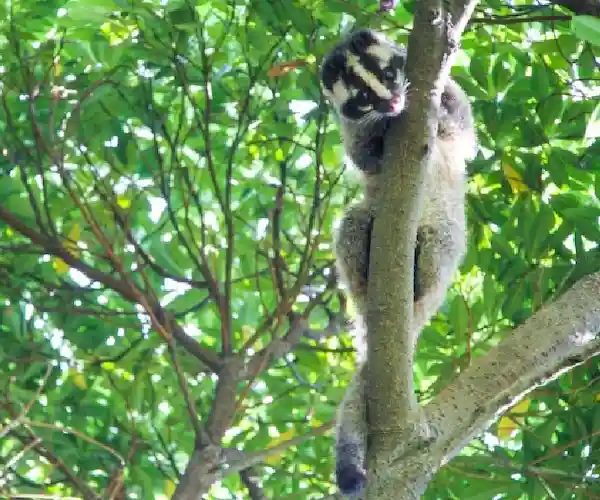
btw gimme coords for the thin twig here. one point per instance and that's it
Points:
(253, 458)
(21, 418)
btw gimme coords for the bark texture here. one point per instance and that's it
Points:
(560, 336)
(408, 444)
(396, 424)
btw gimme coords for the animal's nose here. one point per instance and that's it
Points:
(396, 104)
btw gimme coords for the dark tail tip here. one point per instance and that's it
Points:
(351, 480)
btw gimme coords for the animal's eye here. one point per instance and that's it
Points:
(363, 95)
(389, 74)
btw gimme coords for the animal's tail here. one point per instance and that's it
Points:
(351, 438)
(350, 474)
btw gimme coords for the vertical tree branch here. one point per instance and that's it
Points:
(395, 422)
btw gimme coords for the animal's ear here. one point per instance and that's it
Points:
(361, 40)
(332, 69)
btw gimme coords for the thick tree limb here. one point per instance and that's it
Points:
(560, 336)
(210, 463)
(398, 427)
(204, 467)
(394, 414)
(389, 314)
(200, 473)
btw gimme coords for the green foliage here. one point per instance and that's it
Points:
(587, 28)
(177, 159)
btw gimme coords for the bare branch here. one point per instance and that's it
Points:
(21, 418)
(558, 337)
(580, 7)
(189, 402)
(505, 20)
(242, 461)
(394, 415)
(54, 247)
(299, 329)
(75, 432)
(44, 450)
(198, 476)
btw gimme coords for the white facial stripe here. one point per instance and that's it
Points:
(369, 78)
(383, 53)
(340, 93)
(381, 38)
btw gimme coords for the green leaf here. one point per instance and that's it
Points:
(188, 300)
(586, 28)
(148, 100)
(459, 316)
(501, 74)
(480, 70)
(550, 111)
(81, 12)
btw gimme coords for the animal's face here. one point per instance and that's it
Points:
(364, 77)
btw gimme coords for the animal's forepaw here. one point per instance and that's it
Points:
(351, 480)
